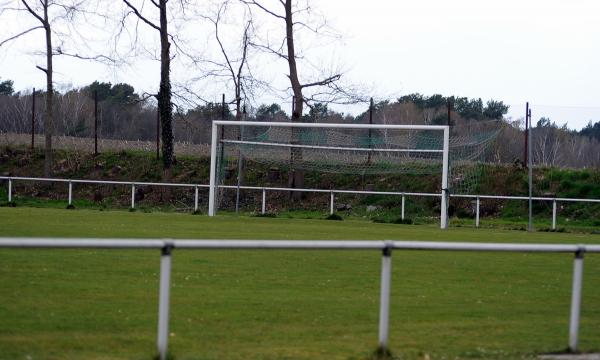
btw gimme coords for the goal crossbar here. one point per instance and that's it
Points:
(329, 125)
(330, 147)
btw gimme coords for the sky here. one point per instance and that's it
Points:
(545, 52)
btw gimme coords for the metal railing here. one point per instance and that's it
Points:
(265, 189)
(167, 246)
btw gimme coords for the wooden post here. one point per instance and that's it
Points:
(223, 108)
(33, 119)
(526, 134)
(370, 131)
(449, 112)
(95, 122)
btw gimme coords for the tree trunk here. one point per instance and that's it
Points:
(49, 116)
(164, 94)
(296, 176)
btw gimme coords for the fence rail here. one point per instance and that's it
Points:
(166, 247)
(264, 189)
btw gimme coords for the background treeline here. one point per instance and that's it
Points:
(125, 115)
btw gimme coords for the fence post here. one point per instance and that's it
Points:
(70, 193)
(133, 196)
(264, 201)
(403, 199)
(576, 300)
(553, 214)
(477, 212)
(163, 301)
(9, 190)
(384, 304)
(331, 199)
(195, 198)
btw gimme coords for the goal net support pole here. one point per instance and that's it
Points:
(444, 151)
(213, 170)
(445, 190)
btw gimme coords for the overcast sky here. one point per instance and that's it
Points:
(546, 52)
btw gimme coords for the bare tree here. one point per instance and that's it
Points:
(165, 104)
(50, 14)
(40, 11)
(296, 16)
(234, 66)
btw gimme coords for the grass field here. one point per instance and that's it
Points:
(93, 304)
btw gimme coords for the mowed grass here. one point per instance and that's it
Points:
(102, 304)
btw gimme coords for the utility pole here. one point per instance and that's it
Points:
(33, 119)
(525, 163)
(530, 166)
(95, 122)
(240, 164)
(223, 108)
(449, 112)
(370, 131)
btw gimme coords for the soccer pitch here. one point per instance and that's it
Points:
(271, 304)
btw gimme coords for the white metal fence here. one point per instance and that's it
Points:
(264, 190)
(167, 246)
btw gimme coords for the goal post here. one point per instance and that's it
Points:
(331, 143)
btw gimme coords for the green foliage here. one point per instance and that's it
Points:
(334, 216)
(123, 94)
(266, 215)
(469, 108)
(436, 101)
(418, 99)
(6, 87)
(545, 123)
(495, 109)
(103, 89)
(317, 112)
(211, 111)
(591, 130)
(271, 112)
(119, 94)
(472, 109)
(387, 219)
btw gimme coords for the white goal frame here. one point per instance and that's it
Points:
(445, 151)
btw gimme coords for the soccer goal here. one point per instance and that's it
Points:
(347, 148)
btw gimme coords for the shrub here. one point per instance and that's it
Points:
(266, 215)
(334, 217)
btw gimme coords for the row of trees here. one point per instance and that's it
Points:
(126, 115)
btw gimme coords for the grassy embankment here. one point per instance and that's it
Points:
(142, 166)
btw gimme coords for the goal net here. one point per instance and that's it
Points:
(356, 149)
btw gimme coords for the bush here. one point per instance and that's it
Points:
(266, 215)
(388, 220)
(334, 217)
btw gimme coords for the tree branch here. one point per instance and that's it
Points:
(327, 81)
(268, 49)
(33, 12)
(20, 34)
(253, 2)
(59, 51)
(139, 15)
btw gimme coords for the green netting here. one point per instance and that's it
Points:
(363, 151)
